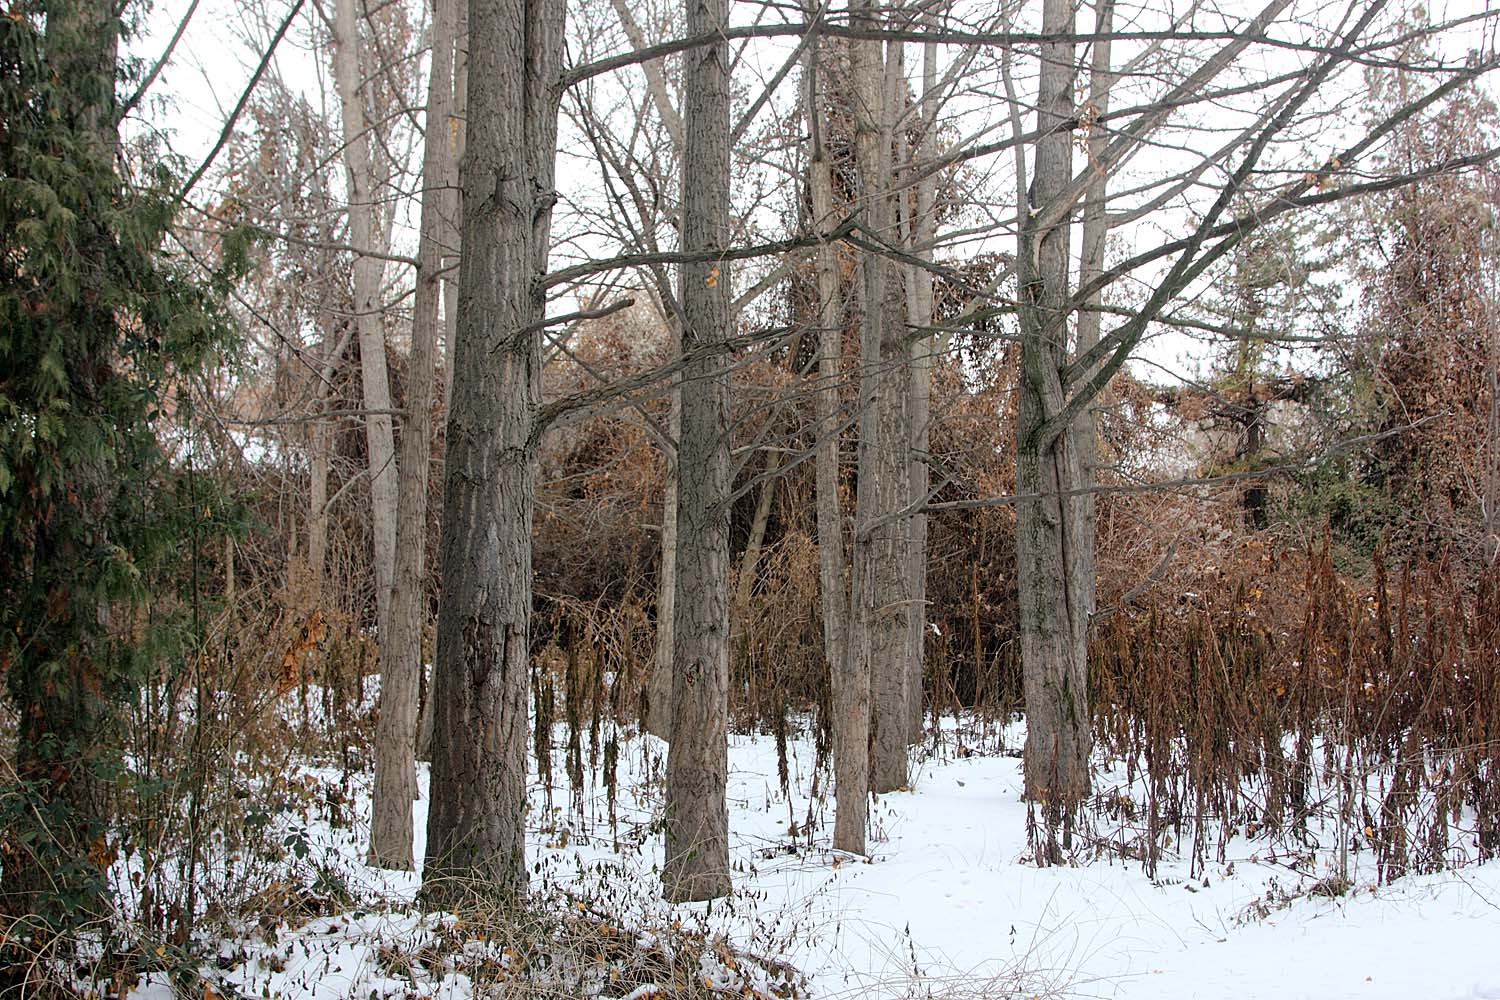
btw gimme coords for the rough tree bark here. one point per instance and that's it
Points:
(1091, 265)
(922, 232)
(475, 821)
(391, 829)
(366, 234)
(449, 240)
(882, 545)
(849, 681)
(452, 203)
(697, 819)
(659, 685)
(1051, 560)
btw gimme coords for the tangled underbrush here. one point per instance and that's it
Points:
(217, 775)
(1365, 721)
(579, 942)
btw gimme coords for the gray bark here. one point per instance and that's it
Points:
(391, 829)
(922, 232)
(475, 821)
(1091, 265)
(849, 680)
(1051, 561)
(697, 819)
(451, 233)
(320, 450)
(367, 236)
(882, 546)
(329, 354)
(449, 240)
(659, 685)
(319, 446)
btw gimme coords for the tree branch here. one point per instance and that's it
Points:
(234, 116)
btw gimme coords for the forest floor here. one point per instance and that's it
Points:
(948, 905)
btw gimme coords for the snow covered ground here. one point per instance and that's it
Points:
(947, 905)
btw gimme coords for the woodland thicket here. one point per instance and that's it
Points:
(274, 492)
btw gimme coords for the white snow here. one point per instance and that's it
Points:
(947, 905)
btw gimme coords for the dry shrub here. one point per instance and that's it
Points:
(212, 801)
(1279, 699)
(777, 663)
(593, 938)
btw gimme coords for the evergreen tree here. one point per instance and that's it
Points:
(99, 329)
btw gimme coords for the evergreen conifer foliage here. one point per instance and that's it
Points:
(99, 328)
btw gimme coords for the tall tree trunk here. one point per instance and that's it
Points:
(452, 207)
(448, 239)
(884, 440)
(658, 717)
(697, 818)
(475, 820)
(659, 685)
(1051, 561)
(311, 578)
(1091, 265)
(922, 232)
(849, 680)
(391, 829)
(332, 342)
(367, 236)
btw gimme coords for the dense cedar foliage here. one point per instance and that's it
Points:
(103, 514)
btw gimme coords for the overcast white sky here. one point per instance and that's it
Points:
(216, 57)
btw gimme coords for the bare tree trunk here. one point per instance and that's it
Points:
(475, 822)
(319, 447)
(697, 818)
(452, 207)
(659, 685)
(1051, 561)
(886, 363)
(448, 238)
(849, 684)
(922, 231)
(367, 236)
(332, 342)
(391, 829)
(231, 587)
(1091, 265)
